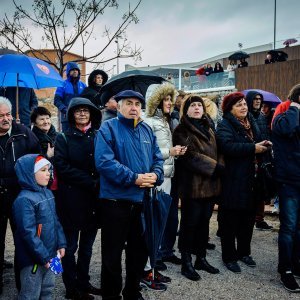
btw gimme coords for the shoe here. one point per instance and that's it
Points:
(78, 295)
(172, 259)
(263, 226)
(151, 284)
(289, 282)
(158, 277)
(210, 246)
(233, 266)
(202, 264)
(7, 265)
(160, 266)
(93, 290)
(187, 268)
(248, 260)
(296, 273)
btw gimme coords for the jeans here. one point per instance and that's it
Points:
(289, 232)
(194, 225)
(37, 286)
(121, 222)
(236, 228)
(76, 274)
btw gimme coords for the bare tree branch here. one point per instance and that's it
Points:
(65, 26)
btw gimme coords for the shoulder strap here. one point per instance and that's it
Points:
(65, 138)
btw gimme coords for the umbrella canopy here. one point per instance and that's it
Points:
(290, 41)
(24, 71)
(238, 55)
(269, 97)
(156, 210)
(276, 53)
(136, 80)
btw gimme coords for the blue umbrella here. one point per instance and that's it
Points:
(24, 71)
(156, 210)
(269, 97)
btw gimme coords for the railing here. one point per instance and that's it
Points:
(202, 82)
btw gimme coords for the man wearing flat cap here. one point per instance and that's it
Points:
(129, 160)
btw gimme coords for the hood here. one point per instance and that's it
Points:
(93, 74)
(211, 108)
(158, 96)
(95, 112)
(70, 66)
(25, 172)
(249, 99)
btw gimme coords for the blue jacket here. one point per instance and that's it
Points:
(121, 153)
(286, 146)
(69, 90)
(35, 205)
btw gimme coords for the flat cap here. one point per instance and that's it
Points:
(129, 94)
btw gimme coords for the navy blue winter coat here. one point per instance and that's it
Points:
(33, 206)
(123, 151)
(286, 146)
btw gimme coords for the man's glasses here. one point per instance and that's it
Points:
(82, 110)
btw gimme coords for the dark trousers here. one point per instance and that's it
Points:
(289, 232)
(121, 222)
(76, 274)
(194, 225)
(236, 228)
(3, 227)
(170, 233)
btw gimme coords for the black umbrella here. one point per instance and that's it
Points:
(238, 55)
(156, 210)
(136, 80)
(276, 53)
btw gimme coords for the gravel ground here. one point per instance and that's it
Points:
(261, 282)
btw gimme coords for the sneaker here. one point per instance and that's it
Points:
(263, 226)
(172, 259)
(248, 260)
(233, 266)
(149, 283)
(289, 282)
(160, 278)
(160, 266)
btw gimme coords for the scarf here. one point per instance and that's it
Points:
(247, 126)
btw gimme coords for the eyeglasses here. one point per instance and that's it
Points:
(257, 98)
(82, 110)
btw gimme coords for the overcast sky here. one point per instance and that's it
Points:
(173, 31)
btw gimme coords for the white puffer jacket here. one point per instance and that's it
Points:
(163, 135)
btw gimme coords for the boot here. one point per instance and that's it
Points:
(187, 268)
(202, 264)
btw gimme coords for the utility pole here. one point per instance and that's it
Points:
(118, 49)
(274, 46)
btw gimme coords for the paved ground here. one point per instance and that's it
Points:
(261, 282)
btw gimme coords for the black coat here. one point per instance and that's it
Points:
(45, 138)
(239, 155)
(77, 178)
(92, 94)
(21, 141)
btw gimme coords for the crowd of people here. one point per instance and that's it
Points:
(58, 189)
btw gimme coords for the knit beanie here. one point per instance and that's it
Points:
(231, 99)
(189, 100)
(40, 162)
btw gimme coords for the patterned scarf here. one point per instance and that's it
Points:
(246, 124)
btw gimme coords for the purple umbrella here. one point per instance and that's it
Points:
(290, 41)
(268, 96)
